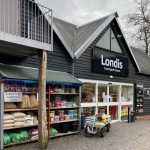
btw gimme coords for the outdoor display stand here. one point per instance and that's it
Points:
(63, 109)
(19, 106)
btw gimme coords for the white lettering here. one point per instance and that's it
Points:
(111, 63)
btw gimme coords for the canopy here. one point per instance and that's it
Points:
(12, 73)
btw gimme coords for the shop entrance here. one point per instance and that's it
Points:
(105, 97)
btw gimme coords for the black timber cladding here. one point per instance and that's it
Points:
(83, 66)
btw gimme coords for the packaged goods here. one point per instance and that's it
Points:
(56, 118)
(9, 105)
(61, 118)
(8, 116)
(71, 117)
(19, 124)
(61, 112)
(8, 125)
(6, 138)
(19, 119)
(25, 102)
(28, 120)
(52, 113)
(52, 119)
(67, 117)
(8, 121)
(71, 112)
(33, 101)
(18, 114)
(33, 131)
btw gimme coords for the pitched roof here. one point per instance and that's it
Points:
(75, 38)
(142, 59)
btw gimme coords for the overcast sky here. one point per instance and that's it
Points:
(81, 11)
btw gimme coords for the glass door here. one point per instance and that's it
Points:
(113, 101)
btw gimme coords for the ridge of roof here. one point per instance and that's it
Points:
(78, 26)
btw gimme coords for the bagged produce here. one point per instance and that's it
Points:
(8, 121)
(25, 102)
(18, 114)
(6, 138)
(8, 117)
(18, 124)
(33, 101)
(19, 119)
(9, 105)
(15, 137)
(53, 132)
(24, 135)
(8, 125)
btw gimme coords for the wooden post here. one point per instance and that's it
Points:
(42, 115)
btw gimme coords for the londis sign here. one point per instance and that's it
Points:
(109, 64)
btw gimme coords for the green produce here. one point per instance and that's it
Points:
(6, 139)
(53, 132)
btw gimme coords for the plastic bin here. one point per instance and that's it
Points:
(64, 128)
(73, 127)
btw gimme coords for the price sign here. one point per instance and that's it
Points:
(12, 96)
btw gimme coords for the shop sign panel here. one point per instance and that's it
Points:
(12, 96)
(110, 64)
(146, 93)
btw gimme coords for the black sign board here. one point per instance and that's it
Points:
(139, 98)
(109, 64)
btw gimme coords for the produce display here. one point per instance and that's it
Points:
(53, 132)
(17, 119)
(15, 136)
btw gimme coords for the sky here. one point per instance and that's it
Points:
(82, 11)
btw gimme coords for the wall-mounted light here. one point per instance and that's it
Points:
(111, 77)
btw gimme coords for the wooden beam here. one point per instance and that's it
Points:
(42, 115)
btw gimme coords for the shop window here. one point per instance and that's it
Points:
(124, 112)
(113, 111)
(88, 111)
(127, 94)
(102, 110)
(102, 93)
(113, 93)
(109, 41)
(88, 93)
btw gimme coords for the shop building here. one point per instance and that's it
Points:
(114, 75)
(98, 54)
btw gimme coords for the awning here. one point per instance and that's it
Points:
(21, 74)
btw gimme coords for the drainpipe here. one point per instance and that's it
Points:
(73, 66)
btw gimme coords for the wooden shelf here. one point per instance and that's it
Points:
(63, 134)
(64, 121)
(21, 127)
(64, 107)
(23, 142)
(29, 141)
(63, 93)
(28, 109)
(29, 92)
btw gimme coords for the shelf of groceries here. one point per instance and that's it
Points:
(20, 123)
